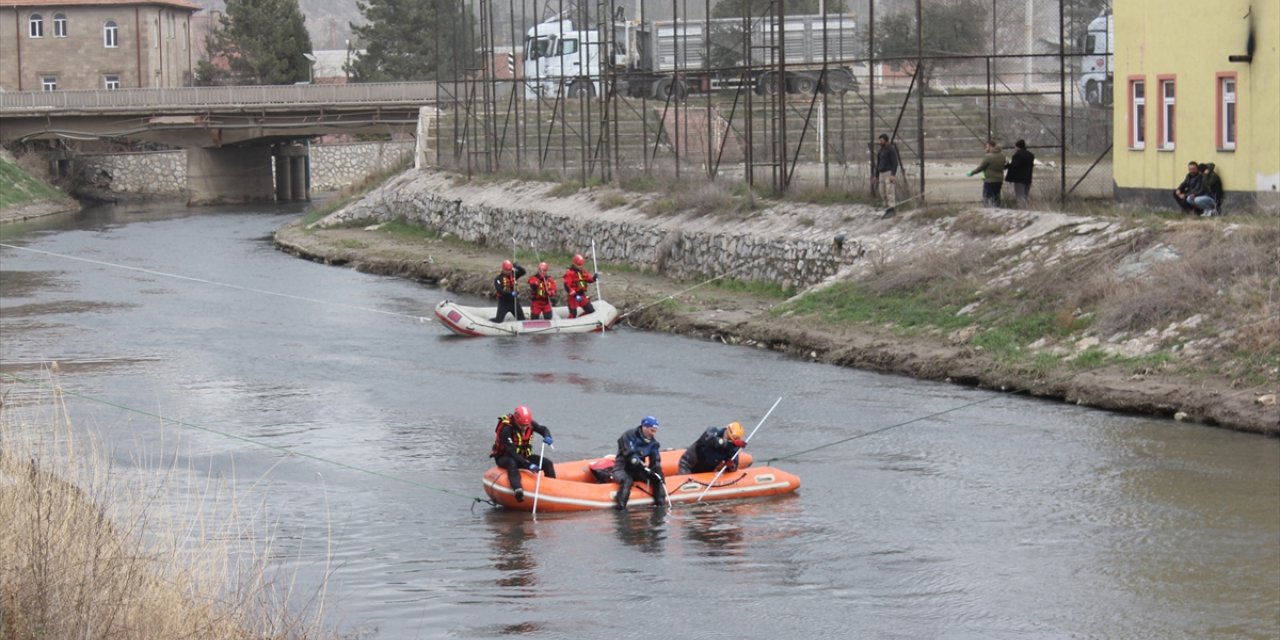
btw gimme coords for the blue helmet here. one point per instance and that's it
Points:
(649, 421)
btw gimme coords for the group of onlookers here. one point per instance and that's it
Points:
(1200, 192)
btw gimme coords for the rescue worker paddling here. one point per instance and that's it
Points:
(506, 285)
(716, 446)
(542, 294)
(576, 281)
(634, 447)
(513, 449)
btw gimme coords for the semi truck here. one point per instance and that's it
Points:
(664, 58)
(1096, 64)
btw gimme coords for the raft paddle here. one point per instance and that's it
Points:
(735, 453)
(595, 270)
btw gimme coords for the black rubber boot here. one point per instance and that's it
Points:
(624, 494)
(519, 495)
(659, 494)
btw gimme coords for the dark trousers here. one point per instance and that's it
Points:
(508, 303)
(991, 193)
(513, 468)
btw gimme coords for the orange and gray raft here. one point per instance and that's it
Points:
(575, 488)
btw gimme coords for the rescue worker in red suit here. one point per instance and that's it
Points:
(634, 447)
(506, 285)
(715, 447)
(542, 293)
(575, 286)
(513, 451)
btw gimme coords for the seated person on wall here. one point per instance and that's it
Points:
(1188, 188)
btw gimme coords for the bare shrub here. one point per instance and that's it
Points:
(979, 224)
(1216, 272)
(940, 270)
(82, 556)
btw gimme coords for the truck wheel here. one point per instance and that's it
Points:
(767, 85)
(1093, 92)
(668, 87)
(1107, 93)
(805, 85)
(581, 88)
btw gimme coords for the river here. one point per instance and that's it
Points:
(362, 429)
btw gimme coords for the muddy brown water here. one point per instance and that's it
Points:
(980, 516)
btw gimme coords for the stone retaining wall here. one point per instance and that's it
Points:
(676, 246)
(337, 166)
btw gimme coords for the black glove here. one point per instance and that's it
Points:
(595, 276)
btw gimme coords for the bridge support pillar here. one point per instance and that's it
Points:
(229, 175)
(284, 182)
(298, 174)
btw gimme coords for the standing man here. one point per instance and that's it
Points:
(1188, 189)
(887, 174)
(506, 285)
(513, 450)
(715, 447)
(576, 281)
(634, 447)
(542, 293)
(992, 168)
(1021, 165)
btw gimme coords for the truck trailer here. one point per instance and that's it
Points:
(665, 58)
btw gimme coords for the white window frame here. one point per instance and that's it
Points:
(111, 81)
(1168, 111)
(48, 83)
(59, 25)
(35, 26)
(1138, 109)
(1228, 87)
(110, 34)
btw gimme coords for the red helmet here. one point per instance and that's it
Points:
(542, 266)
(506, 265)
(578, 260)
(524, 417)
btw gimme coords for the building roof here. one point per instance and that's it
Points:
(32, 4)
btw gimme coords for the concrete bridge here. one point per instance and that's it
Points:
(232, 134)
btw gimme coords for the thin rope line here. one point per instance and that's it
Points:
(215, 283)
(58, 388)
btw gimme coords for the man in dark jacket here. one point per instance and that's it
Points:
(1021, 165)
(513, 449)
(1188, 189)
(506, 286)
(887, 174)
(716, 446)
(634, 447)
(1209, 196)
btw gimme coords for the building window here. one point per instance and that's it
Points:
(1168, 110)
(110, 35)
(49, 83)
(1227, 111)
(35, 26)
(59, 25)
(111, 82)
(1137, 114)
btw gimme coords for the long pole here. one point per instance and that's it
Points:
(595, 270)
(538, 484)
(735, 454)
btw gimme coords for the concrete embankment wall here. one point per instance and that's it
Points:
(794, 252)
(164, 173)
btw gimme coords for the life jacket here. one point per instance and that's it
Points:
(576, 280)
(520, 439)
(542, 288)
(506, 282)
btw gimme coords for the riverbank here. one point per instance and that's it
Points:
(1146, 314)
(24, 197)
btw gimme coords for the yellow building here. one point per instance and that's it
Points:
(1197, 81)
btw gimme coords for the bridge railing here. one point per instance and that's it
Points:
(195, 97)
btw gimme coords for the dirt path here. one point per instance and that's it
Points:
(733, 317)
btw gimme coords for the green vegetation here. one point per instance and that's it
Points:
(261, 42)
(852, 303)
(413, 40)
(755, 288)
(17, 187)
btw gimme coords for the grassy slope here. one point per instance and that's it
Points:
(18, 188)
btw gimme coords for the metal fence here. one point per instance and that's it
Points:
(1029, 70)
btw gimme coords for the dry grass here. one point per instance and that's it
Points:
(942, 272)
(83, 557)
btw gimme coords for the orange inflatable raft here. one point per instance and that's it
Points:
(574, 488)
